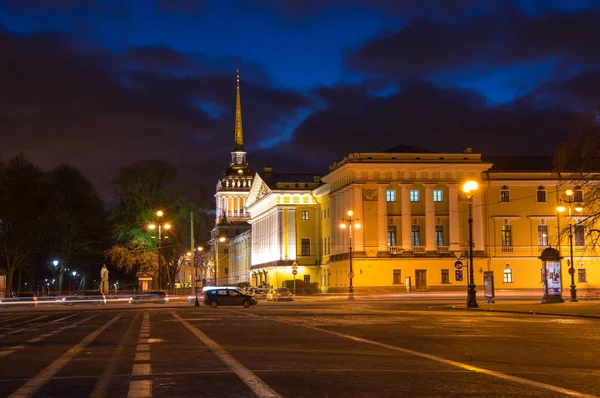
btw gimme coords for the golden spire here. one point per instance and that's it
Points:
(238, 139)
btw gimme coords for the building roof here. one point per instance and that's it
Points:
(273, 178)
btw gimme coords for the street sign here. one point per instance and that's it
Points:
(572, 271)
(458, 265)
(350, 275)
(458, 275)
(294, 265)
(294, 272)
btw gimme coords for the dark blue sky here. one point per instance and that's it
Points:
(106, 83)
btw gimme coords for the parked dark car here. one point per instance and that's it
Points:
(151, 296)
(227, 296)
(85, 297)
(18, 299)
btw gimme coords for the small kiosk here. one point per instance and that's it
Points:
(551, 274)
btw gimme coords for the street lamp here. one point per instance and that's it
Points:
(561, 209)
(166, 226)
(350, 222)
(196, 303)
(221, 240)
(469, 187)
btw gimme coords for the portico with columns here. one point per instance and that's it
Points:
(412, 211)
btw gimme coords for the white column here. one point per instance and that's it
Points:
(406, 218)
(477, 222)
(382, 226)
(430, 245)
(280, 233)
(237, 206)
(358, 240)
(347, 206)
(291, 234)
(454, 233)
(218, 209)
(244, 206)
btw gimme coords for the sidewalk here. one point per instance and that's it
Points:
(580, 309)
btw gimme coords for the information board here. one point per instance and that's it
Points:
(553, 282)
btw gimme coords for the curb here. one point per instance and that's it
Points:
(524, 312)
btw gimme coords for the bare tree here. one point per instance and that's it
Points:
(23, 214)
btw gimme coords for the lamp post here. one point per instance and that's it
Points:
(160, 226)
(469, 187)
(350, 222)
(216, 259)
(196, 303)
(561, 208)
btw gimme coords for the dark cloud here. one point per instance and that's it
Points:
(72, 102)
(424, 115)
(503, 37)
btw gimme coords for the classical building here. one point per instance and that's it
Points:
(273, 227)
(284, 216)
(231, 195)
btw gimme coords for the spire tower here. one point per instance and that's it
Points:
(238, 139)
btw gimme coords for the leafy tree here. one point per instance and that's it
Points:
(78, 231)
(24, 207)
(141, 190)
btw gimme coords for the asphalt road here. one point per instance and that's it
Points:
(341, 349)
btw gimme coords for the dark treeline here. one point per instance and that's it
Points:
(56, 232)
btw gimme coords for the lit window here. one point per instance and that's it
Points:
(414, 195)
(305, 214)
(542, 235)
(508, 275)
(506, 235)
(438, 195)
(392, 235)
(416, 235)
(390, 195)
(397, 276)
(439, 235)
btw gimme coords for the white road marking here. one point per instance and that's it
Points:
(101, 387)
(39, 325)
(14, 318)
(142, 356)
(140, 369)
(37, 339)
(33, 385)
(259, 387)
(435, 358)
(140, 389)
(30, 320)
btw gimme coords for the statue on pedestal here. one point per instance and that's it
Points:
(104, 280)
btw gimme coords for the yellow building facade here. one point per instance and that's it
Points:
(414, 225)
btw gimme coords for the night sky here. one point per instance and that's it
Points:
(104, 84)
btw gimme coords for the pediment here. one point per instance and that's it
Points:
(258, 190)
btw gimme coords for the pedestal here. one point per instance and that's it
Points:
(104, 287)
